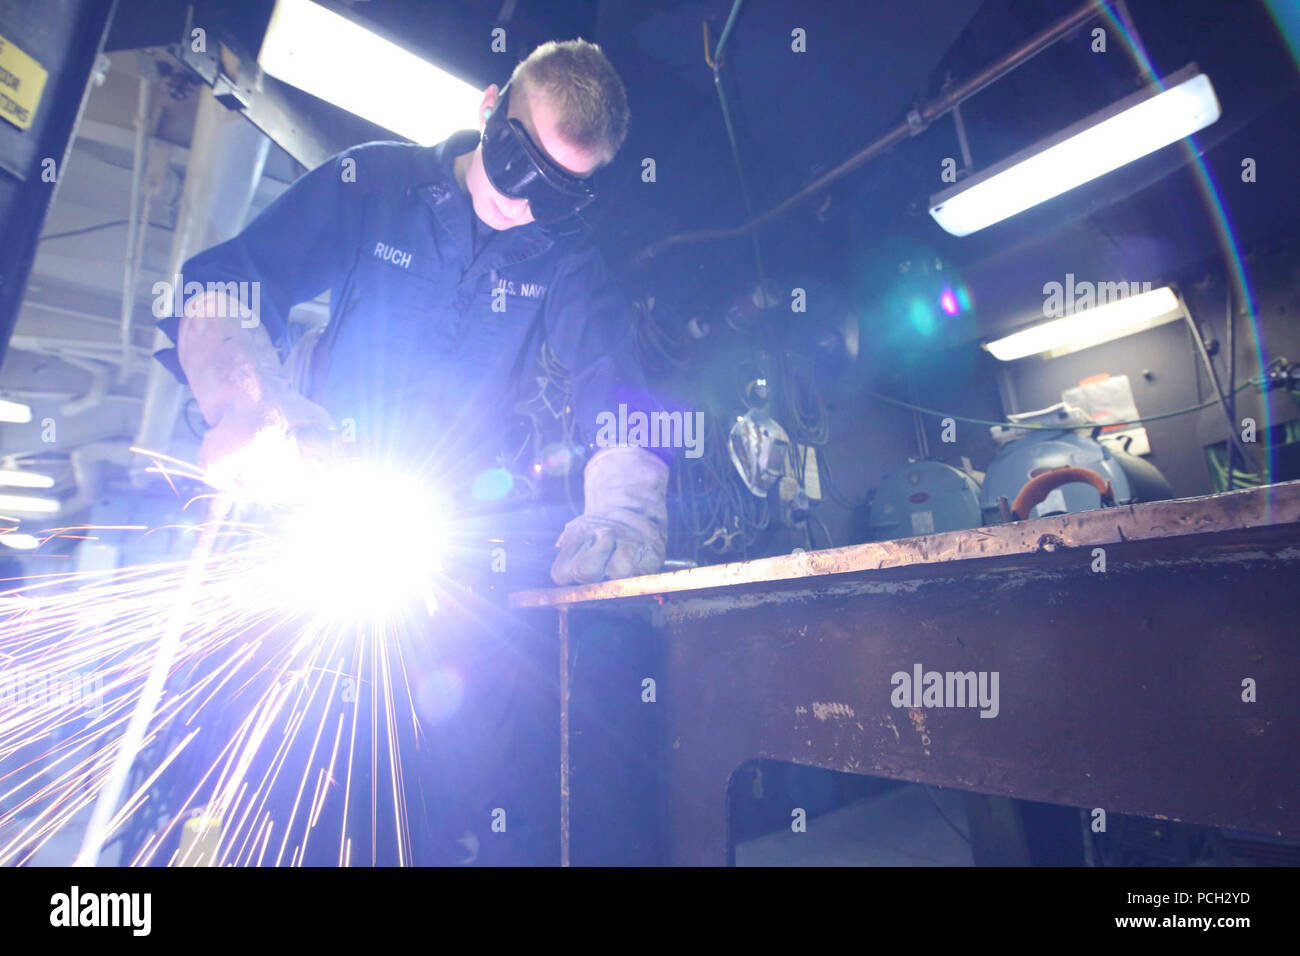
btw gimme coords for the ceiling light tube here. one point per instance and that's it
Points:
(24, 479)
(1090, 327)
(15, 412)
(1140, 124)
(24, 504)
(329, 56)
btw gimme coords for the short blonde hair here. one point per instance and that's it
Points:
(585, 90)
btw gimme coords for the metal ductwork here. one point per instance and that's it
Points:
(227, 155)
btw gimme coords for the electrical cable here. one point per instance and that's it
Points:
(715, 504)
(102, 225)
(1056, 428)
(916, 121)
(714, 63)
(1230, 402)
(716, 59)
(1221, 399)
(832, 490)
(652, 337)
(805, 409)
(821, 526)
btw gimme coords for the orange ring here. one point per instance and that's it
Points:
(1039, 487)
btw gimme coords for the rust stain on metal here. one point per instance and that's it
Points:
(1049, 542)
(917, 717)
(888, 721)
(825, 711)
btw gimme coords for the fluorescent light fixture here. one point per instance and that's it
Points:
(28, 505)
(331, 57)
(1090, 327)
(24, 479)
(20, 542)
(15, 412)
(1139, 124)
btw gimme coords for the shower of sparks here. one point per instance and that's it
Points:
(250, 637)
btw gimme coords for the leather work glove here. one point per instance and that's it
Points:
(623, 530)
(256, 414)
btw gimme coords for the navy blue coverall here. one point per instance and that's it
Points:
(426, 370)
(415, 355)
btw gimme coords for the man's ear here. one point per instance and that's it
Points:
(489, 103)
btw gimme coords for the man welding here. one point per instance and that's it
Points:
(448, 268)
(445, 266)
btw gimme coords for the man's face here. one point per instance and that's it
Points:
(539, 118)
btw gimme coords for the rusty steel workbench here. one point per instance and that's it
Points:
(1124, 686)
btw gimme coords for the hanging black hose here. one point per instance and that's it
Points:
(803, 408)
(1234, 439)
(1231, 399)
(714, 62)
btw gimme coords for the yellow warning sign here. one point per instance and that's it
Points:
(21, 82)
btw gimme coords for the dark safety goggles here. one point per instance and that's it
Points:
(520, 169)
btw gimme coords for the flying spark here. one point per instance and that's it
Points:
(248, 706)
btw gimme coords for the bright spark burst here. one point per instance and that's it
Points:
(270, 663)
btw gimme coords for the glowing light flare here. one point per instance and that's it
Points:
(557, 459)
(269, 470)
(362, 544)
(948, 302)
(921, 317)
(492, 485)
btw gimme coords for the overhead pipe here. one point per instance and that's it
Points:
(97, 358)
(73, 313)
(92, 348)
(139, 163)
(45, 395)
(917, 121)
(88, 463)
(95, 394)
(227, 155)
